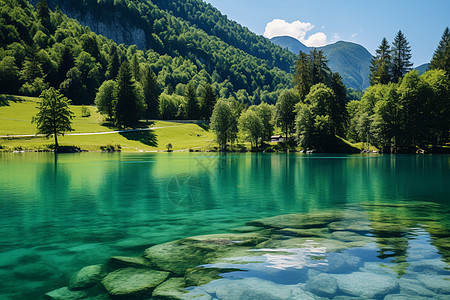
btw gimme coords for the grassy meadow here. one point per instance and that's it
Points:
(16, 113)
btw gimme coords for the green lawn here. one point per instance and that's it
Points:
(16, 114)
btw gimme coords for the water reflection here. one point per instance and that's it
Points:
(67, 211)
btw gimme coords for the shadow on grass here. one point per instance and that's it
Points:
(145, 137)
(5, 99)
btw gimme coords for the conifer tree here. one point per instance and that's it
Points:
(128, 105)
(208, 101)
(152, 91)
(113, 64)
(135, 68)
(381, 63)
(401, 55)
(43, 13)
(441, 57)
(32, 68)
(303, 76)
(192, 108)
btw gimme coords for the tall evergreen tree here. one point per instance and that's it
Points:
(303, 75)
(128, 105)
(43, 13)
(152, 91)
(339, 114)
(66, 62)
(208, 101)
(113, 64)
(401, 55)
(136, 68)
(32, 68)
(285, 111)
(441, 57)
(321, 73)
(192, 108)
(381, 63)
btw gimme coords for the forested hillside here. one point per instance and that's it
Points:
(217, 50)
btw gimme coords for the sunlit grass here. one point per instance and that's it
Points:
(16, 114)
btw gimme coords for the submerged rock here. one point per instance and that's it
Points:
(311, 220)
(368, 285)
(65, 294)
(133, 282)
(117, 262)
(253, 288)
(87, 277)
(201, 276)
(172, 289)
(414, 288)
(310, 232)
(436, 283)
(322, 285)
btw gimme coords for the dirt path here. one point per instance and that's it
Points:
(85, 133)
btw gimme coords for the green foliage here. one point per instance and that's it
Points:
(441, 57)
(128, 101)
(381, 63)
(54, 116)
(224, 123)
(251, 127)
(315, 121)
(208, 101)
(85, 112)
(285, 111)
(104, 100)
(401, 55)
(169, 106)
(9, 75)
(266, 113)
(399, 117)
(152, 92)
(192, 107)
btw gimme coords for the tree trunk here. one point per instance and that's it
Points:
(56, 141)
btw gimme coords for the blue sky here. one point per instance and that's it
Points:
(318, 22)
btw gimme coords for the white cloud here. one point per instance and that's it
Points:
(355, 35)
(296, 29)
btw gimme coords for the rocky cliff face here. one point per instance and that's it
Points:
(112, 26)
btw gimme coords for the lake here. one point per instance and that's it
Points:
(379, 218)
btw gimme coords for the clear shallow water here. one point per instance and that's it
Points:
(60, 214)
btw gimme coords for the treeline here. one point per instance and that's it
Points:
(43, 48)
(261, 69)
(400, 112)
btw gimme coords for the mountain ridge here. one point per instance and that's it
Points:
(350, 60)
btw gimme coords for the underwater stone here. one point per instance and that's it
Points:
(201, 276)
(117, 262)
(312, 232)
(87, 277)
(415, 288)
(311, 220)
(172, 289)
(435, 265)
(322, 285)
(340, 262)
(348, 236)
(255, 288)
(361, 226)
(65, 294)
(177, 256)
(369, 285)
(133, 282)
(436, 283)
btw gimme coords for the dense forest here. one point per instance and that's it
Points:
(201, 66)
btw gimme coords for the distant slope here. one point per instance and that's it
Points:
(350, 60)
(422, 68)
(290, 43)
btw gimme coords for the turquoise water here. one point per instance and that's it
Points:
(61, 213)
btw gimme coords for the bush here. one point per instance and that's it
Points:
(85, 112)
(111, 148)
